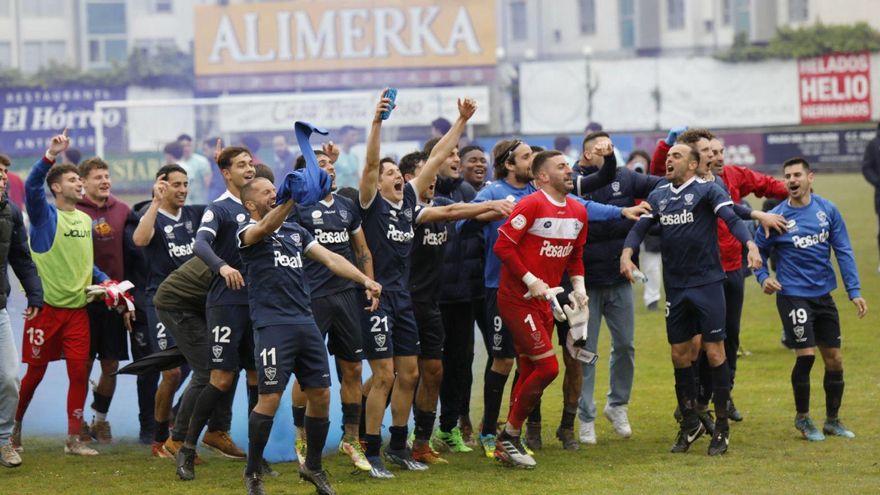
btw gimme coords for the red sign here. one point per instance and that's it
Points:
(835, 88)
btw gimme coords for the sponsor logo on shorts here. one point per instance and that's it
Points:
(496, 339)
(380, 341)
(270, 373)
(716, 330)
(799, 333)
(615, 186)
(163, 343)
(536, 336)
(35, 352)
(218, 351)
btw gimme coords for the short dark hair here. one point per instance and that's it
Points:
(561, 142)
(795, 161)
(642, 153)
(73, 155)
(441, 125)
(694, 153)
(541, 158)
(300, 162)
(93, 163)
(175, 149)
(691, 136)
(536, 148)
(4, 160)
(591, 137)
(502, 154)
(348, 192)
(385, 160)
(263, 171)
(184, 137)
(429, 145)
(225, 159)
(168, 169)
(410, 161)
(245, 191)
(467, 149)
(55, 173)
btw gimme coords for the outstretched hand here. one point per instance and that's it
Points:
(467, 107)
(58, 144)
(218, 147)
(383, 106)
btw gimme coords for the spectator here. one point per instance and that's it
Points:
(639, 161)
(563, 144)
(439, 127)
(198, 170)
(871, 171)
(283, 157)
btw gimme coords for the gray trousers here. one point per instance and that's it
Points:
(9, 381)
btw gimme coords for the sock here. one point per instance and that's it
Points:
(568, 413)
(203, 409)
(316, 437)
(685, 390)
(800, 383)
(253, 395)
(535, 414)
(833, 392)
(362, 422)
(493, 391)
(259, 427)
(100, 405)
(78, 374)
(424, 421)
(161, 432)
(351, 415)
(721, 393)
(398, 437)
(374, 443)
(529, 392)
(299, 416)
(32, 377)
(705, 383)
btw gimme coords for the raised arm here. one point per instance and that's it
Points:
(444, 147)
(589, 183)
(255, 233)
(143, 234)
(485, 211)
(370, 176)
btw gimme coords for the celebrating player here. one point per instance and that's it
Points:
(803, 283)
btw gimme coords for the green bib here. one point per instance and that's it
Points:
(66, 268)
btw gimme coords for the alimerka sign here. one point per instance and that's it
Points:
(340, 35)
(835, 88)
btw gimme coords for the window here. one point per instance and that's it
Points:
(160, 6)
(106, 27)
(519, 21)
(742, 19)
(152, 46)
(42, 8)
(674, 14)
(38, 54)
(5, 54)
(726, 12)
(798, 10)
(588, 16)
(626, 10)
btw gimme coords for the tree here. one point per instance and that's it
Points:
(809, 41)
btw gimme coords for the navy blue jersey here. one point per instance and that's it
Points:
(332, 225)
(427, 255)
(220, 224)
(689, 231)
(802, 255)
(172, 243)
(273, 270)
(389, 231)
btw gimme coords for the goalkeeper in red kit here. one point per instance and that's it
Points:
(542, 239)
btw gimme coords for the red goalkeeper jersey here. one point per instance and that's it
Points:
(544, 237)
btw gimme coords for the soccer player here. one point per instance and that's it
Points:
(686, 209)
(543, 238)
(391, 337)
(109, 340)
(61, 247)
(228, 314)
(431, 240)
(14, 253)
(286, 338)
(335, 223)
(167, 232)
(803, 284)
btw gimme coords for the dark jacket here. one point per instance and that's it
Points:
(14, 252)
(605, 239)
(871, 161)
(136, 269)
(462, 278)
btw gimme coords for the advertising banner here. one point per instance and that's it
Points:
(840, 149)
(835, 88)
(31, 116)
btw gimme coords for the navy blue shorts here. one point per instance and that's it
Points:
(280, 350)
(391, 330)
(338, 317)
(696, 311)
(231, 337)
(432, 334)
(500, 340)
(808, 322)
(158, 338)
(108, 337)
